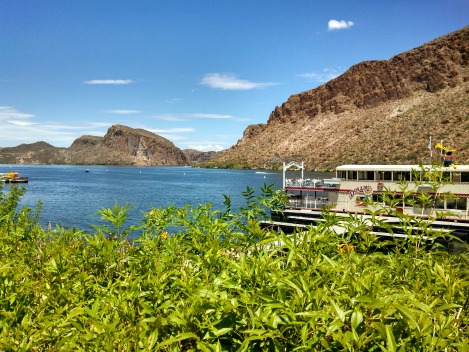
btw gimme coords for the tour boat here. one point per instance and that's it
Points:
(354, 187)
(358, 190)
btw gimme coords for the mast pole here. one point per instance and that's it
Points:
(430, 148)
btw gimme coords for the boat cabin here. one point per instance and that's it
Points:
(355, 185)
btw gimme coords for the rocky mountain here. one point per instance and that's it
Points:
(198, 157)
(376, 112)
(120, 146)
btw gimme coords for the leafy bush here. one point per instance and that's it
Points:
(213, 280)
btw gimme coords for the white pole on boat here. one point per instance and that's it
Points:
(430, 148)
(284, 175)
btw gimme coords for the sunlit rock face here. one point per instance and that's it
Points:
(376, 112)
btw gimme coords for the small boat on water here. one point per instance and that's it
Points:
(13, 177)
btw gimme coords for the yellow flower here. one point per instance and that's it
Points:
(164, 235)
(152, 212)
(345, 248)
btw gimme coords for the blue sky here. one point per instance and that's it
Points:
(196, 72)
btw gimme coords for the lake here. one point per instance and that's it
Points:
(71, 197)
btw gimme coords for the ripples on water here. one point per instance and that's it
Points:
(71, 197)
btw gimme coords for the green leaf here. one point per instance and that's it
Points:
(448, 306)
(339, 311)
(180, 337)
(408, 314)
(356, 319)
(390, 340)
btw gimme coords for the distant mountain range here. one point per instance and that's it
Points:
(120, 146)
(380, 112)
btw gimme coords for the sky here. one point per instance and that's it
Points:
(196, 72)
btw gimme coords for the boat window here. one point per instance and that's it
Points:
(440, 204)
(370, 175)
(459, 203)
(456, 177)
(377, 198)
(401, 176)
(387, 176)
(464, 176)
(361, 175)
(342, 174)
(351, 175)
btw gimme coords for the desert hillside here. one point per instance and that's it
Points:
(376, 112)
(120, 146)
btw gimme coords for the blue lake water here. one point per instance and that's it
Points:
(71, 197)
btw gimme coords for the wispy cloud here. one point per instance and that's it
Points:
(123, 112)
(334, 24)
(7, 112)
(19, 127)
(322, 77)
(186, 117)
(20, 123)
(213, 116)
(228, 81)
(173, 101)
(206, 147)
(109, 81)
(166, 117)
(172, 130)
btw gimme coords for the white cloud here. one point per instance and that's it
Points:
(169, 117)
(173, 101)
(172, 137)
(109, 81)
(206, 147)
(230, 82)
(7, 112)
(322, 77)
(213, 116)
(123, 112)
(172, 130)
(186, 117)
(334, 24)
(20, 123)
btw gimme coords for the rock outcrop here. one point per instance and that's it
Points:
(376, 112)
(198, 157)
(120, 146)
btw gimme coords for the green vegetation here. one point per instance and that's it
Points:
(214, 280)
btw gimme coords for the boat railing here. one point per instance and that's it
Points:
(309, 202)
(308, 182)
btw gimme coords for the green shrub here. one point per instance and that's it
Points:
(213, 280)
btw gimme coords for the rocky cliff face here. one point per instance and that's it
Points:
(127, 146)
(376, 112)
(198, 157)
(120, 146)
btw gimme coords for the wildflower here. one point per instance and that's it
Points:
(345, 248)
(164, 235)
(152, 212)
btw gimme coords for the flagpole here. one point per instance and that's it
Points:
(430, 148)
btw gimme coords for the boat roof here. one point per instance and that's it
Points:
(356, 167)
